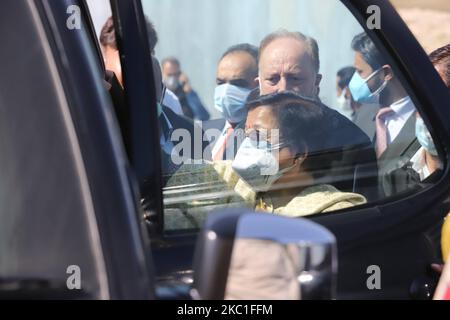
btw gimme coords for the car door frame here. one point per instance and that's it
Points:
(376, 225)
(124, 240)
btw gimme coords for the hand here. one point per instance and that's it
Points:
(184, 81)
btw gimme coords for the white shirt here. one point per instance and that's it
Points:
(221, 140)
(419, 165)
(403, 109)
(171, 100)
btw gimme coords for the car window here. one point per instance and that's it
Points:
(286, 107)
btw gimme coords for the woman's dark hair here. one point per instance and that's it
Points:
(303, 125)
(364, 45)
(108, 34)
(441, 57)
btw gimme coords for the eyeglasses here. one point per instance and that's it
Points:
(261, 139)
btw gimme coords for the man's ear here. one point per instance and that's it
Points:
(388, 72)
(256, 80)
(317, 84)
(318, 79)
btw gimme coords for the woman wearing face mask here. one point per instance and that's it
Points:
(277, 169)
(279, 163)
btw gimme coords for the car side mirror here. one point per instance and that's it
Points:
(245, 255)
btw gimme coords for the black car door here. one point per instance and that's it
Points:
(390, 239)
(70, 219)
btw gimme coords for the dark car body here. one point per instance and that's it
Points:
(70, 191)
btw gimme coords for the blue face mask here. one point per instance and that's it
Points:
(424, 137)
(360, 90)
(230, 101)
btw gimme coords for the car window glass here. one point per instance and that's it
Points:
(285, 107)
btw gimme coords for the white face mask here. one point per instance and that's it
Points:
(258, 164)
(172, 83)
(344, 104)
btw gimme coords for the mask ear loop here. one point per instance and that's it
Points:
(381, 88)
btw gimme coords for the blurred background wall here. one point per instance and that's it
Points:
(199, 31)
(429, 20)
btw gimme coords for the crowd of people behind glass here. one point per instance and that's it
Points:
(277, 146)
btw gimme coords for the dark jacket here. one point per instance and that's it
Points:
(196, 138)
(397, 155)
(346, 158)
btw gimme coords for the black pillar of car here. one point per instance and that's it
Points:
(144, 149)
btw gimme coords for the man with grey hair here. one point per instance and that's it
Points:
(290, 61)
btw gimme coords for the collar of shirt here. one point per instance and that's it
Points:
(164, 139)
(220, 141)
(419, 165)
(225, 128)
(403, 108)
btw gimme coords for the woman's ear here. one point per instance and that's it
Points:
(299, 160)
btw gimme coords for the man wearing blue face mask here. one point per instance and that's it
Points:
(374, 82)
(426, 161)
(236, 73)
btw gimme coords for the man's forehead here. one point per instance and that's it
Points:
(236, 65)
(169, 65)
(287, 47)
(282, 51)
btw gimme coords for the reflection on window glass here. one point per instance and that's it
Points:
(287, 107)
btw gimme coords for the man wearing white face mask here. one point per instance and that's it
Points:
(236, 73)
(344, 98)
